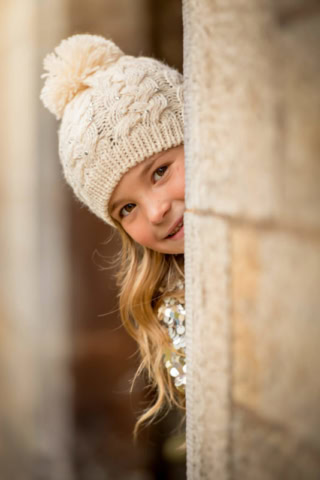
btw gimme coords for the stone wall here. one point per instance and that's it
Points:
(252, 73)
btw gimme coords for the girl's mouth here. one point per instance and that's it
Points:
(177, 232)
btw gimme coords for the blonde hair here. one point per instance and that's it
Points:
(145, 278)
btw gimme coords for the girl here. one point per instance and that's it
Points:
(121, 148)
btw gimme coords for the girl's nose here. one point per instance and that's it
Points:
(157, 210)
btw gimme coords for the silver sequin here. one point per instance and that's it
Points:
(171, 313)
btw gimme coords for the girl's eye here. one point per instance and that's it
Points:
(124, 212)
(159, 173)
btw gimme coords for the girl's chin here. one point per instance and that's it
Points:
(176, 249)
(167, 246)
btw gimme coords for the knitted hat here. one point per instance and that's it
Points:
(116, 110)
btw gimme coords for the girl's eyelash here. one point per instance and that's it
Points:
(160, 168)
(121, 215)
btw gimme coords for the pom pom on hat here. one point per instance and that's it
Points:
(69, 66)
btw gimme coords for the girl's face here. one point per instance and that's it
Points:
(148, 202)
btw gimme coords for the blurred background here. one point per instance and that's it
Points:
(65, 361)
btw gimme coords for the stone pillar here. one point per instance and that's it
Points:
(252, 76)
(34, 381)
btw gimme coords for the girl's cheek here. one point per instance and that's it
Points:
(178, 188)
(179, 184)
(144, 239)
(140, 234)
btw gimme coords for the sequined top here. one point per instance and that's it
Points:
(171, 313)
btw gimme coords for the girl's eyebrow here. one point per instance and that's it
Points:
(115, 205)
(148, 166)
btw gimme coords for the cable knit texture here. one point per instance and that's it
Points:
(117, 110)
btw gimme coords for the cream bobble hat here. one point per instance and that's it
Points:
(116, 110)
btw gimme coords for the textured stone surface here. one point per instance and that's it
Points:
(264, 450)
(208, 330)
(252, 75)
(299, 121)
(235, 103)
(260, 104)
(276, 331)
